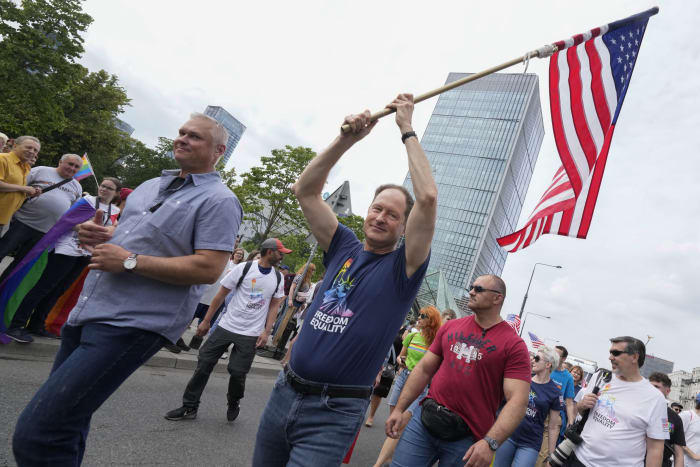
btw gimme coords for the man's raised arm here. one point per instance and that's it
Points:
(310, 184)
(420, 224)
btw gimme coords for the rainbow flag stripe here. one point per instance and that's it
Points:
(85, 171)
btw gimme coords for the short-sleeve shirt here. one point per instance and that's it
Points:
(212, 289)
(542, 399)
(565, 383)
(356, 314)
(474, 364)
(676, 436)
(625, 414)
(12, 170)
(691, 428)
(247, 310)
(69, 244)
(416, 349)
(42, 212)
(200, 214)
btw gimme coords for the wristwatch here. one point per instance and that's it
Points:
(493, 444)
(130, 263)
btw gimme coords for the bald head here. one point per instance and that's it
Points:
(496, 283)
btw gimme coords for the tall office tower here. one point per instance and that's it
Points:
(234, 127)
(123, 126)
(482, 142)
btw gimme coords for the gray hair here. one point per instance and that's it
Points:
(634, 346)
(549, 355)
(4, 138)
(22, 139)
(66, 156)
(219, 133)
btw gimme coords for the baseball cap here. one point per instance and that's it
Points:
(275, 244)
(124, 193)
(284, 266)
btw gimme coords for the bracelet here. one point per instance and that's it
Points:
(407, 135)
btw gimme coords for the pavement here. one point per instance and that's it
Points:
(44, 347)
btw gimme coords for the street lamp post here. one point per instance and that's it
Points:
(522, 307)
(522, 326)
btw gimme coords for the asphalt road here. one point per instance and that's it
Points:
(129, 429)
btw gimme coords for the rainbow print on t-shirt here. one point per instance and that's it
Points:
(422, 348)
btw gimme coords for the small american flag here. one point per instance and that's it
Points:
(588, 79)
(514, 322)
(536, 342)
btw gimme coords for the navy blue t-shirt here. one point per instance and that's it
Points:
(355, 316)
(543, 398)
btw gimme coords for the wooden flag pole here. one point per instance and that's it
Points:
(542, 52)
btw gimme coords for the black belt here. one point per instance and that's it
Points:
(332, 390)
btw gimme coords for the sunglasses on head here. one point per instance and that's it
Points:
(479, 289)
(617, 353)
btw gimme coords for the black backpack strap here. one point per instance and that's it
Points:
(279, 279)
(246, 268)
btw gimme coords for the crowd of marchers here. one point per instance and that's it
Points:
(461, 391)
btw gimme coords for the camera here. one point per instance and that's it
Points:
(572, 436)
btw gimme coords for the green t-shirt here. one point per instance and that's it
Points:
(416, 349)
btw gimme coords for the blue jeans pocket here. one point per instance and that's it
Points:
(346, 406)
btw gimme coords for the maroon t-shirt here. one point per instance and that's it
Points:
(469, 381)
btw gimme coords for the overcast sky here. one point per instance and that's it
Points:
(290, 71)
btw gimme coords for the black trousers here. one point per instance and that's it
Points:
(239, 363)
(18, 240)
(61, 271)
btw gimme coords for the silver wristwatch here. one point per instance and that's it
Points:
(493, 444)
(130, 263)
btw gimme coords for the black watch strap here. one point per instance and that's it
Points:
(407, 135)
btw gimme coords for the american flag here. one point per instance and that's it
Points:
(588, 79)
(514, 322)
(536, 342)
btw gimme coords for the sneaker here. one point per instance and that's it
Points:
(232, 412)
(183, 413)
(180, 343)
(224, 356)
(43, 333)
(19, 335)
(173, 348)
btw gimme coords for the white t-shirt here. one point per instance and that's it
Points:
(42, 212)
(617, 427)
(691, 427)
(68, 243)
(212, 290)
(247, 311)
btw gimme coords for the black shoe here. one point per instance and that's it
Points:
(183, 413)
(173, 348)
(180, 343)
(43, 333)
(19, 335)
(232, 412)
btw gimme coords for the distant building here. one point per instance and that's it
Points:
(123, 126)
(685, 385)
(482, 142)
(234, 127)
(654, 364)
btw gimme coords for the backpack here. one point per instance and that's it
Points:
(246, 268)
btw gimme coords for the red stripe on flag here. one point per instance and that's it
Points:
(578, 38)
(597, 88)
(595, 185)
(548, 224)
(557, 125)
(578, 112)
(565, 223)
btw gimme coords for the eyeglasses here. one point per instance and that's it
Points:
(479, 289)
(422, 316)
(537, 358)
(617, 353)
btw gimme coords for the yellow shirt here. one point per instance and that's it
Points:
(14, 171)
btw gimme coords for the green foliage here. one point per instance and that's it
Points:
(140, 163)
(270, 207)
(354, 223)
(300, 254)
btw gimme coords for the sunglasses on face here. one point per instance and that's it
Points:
(537, 358)
(479, 289)
(422, 316)
(617, 353)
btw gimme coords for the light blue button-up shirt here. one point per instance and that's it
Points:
(203, 214)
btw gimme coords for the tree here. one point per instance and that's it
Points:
(270, 207)
(40, 42)
(141, 163)
(354, 223)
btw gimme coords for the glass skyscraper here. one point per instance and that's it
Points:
(482, 142)
(234, 127)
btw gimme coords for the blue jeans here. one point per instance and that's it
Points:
(512, 454)
(306, 430)
(396, 389)
(418, 448)
(93, 361)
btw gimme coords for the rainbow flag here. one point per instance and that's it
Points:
(85, 171)
(27, 272)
